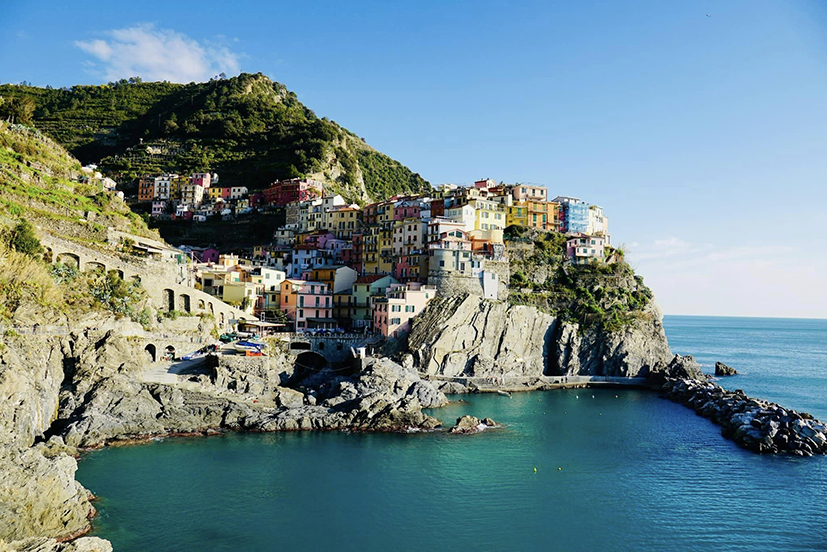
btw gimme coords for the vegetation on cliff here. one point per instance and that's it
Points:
(606, 295)
(39, 184)
(249, 129)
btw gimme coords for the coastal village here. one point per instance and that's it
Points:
(340, 267)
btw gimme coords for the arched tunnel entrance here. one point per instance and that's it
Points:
(307, 365)
(311, 361)
(150, 351)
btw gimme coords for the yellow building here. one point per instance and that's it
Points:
(370, 254)
(538, 215)
(343, 222)
(175, 186)
(489, 214)
(386, 250)
(517, 214)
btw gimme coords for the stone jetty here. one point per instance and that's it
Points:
(755, 424)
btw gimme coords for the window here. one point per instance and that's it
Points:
(441, 263)
(395, 321)
(301, 313)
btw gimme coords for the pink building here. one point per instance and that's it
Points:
(283, 192)
(407, 209)
(201, 179)
(392, 314)
(314, 306)
(584, 249)
(159, 207)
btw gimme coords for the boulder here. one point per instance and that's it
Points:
(722, 369)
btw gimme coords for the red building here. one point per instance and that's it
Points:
(283, 192)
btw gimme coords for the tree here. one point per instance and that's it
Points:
(18, 110)
(24, 240)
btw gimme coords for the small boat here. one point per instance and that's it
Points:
(244, 346)
(194, 355)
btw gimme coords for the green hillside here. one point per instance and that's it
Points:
(249, 129)
(42, 183)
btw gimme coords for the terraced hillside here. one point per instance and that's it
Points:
(249, 129)
(41, 182)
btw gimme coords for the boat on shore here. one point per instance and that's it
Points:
(253, 346)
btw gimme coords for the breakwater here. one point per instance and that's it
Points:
(755, 424)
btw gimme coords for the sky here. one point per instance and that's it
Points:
(698, 125)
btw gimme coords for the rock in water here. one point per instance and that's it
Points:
(722, 369)
(470, 424)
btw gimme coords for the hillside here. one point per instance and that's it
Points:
(248, 129)
(40, 186)
(41, 182)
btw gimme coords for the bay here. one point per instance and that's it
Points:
(621, 470)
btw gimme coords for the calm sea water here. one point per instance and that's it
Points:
(615, 471)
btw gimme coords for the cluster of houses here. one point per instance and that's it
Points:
(195, 197)
(335, 265)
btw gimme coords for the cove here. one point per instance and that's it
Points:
(635, 472)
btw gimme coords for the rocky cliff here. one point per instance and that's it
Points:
(467, 336)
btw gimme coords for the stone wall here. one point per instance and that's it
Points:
(450, 284)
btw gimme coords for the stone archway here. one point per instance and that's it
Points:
(92, 266)
(310, 361)
(185, 302)
(169, 299)
(48, 255)
(68, 259)
(169, 352)
(151, 352)
(201, 305)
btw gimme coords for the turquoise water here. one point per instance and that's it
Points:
(615, 471)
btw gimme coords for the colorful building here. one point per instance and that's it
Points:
(315, 306)
(584, 249)
(527, 192)
(282, 192)
(516, 214)
(574, 215)
(392, 314)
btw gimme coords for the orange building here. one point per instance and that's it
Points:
(289, 292)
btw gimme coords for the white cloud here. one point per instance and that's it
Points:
(157, 54)
(733, 278)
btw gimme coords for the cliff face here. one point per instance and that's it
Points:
(471, 337)
(38, 492)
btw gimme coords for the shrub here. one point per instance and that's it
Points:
(24, 240)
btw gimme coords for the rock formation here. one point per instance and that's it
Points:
(470, 424)
(722, 369)
(468, 336)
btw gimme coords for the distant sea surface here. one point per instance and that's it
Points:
(621, 470)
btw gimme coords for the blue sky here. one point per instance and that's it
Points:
(704, 138)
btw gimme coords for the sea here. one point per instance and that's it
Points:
(569, 470)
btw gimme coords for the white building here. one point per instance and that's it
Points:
(598, 223)
(464, 214)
